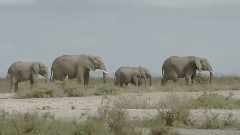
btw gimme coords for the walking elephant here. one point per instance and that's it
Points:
(178, 67)
(133, 75)
(76, 66)
(23, 71)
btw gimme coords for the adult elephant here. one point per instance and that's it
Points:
(178, 67)
(23, 71)
(76, 66)
(133, 75)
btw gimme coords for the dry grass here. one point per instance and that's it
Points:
(219, 83)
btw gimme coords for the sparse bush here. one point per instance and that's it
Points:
(202, 79)
(116, 121)
(175, 116)
(93, 126)
(212, 100)
(28, 124)
(133, 102)
(211, 122)
(106, 89)
(45, 90)
(160, 130)
(230, 122)
(4, 85)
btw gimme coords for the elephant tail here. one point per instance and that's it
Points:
(162, 70)
(8, 76)
(51, 77)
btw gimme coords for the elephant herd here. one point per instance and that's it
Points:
(79, 66)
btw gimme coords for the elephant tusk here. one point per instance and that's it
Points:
(105, 72)
(66, 78)
(46, 80)
(211, 72)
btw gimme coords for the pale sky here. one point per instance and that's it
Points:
(122, 32)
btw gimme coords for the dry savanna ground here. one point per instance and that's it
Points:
(64, 108)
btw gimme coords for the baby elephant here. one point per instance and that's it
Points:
(23, 71)
(133, 75)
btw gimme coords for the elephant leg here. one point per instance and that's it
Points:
(31, 81)
(173, 75)
(164, 80)
(86, 79)
(81, 79)
(13, 81)
(145, 81)
(140, 82)
(80, 75)
(194, 79)
(12, 86)
(16, 86)
(135, 80)
(52, 79)
(188, 79)
(117, 83)
(121, 84)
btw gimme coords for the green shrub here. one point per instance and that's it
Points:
(72, 88)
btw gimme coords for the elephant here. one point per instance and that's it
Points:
(133, 75)
(179, 67)
(76, 66)
(24, 71)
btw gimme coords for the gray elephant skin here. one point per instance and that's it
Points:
(24, 71)
(76, 66)
(133, 75)
(179, 67)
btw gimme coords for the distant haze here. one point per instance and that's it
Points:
(123, 32)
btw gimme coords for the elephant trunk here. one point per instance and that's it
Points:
(150, 80)
(45, 77)
(211, 73)
(103, 68)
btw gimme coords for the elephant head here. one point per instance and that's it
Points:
(145, 74)
(97, 63)
(39, 68)
(203, 64)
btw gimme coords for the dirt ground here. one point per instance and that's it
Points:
(79, 108)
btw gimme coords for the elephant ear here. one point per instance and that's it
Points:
(142, 72)
(35, 68)
(198, 63)
(34, 71)
(91, 64)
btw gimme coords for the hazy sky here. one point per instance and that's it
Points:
(122, 32)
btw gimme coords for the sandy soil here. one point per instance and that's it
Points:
(79, 108)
